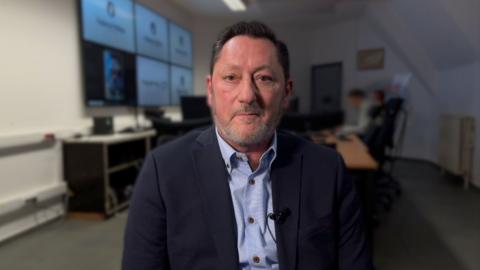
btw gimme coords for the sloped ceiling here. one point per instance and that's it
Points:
(435, 29)
(429, 35)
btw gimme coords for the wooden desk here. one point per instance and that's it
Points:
(353, 150)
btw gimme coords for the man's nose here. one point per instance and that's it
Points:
(248, 91)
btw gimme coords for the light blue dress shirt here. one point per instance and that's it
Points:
(252, 200)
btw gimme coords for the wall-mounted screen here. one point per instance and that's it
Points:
(109, 22)
(152, 83)
(132, 56)
(152, 33)
(180, 45)
(109, 76)
(181, 83)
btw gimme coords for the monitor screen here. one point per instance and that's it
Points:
(180, 46)
(152, 83)
(182, 83)
(109, 22)
(109, 77)
(152, 33)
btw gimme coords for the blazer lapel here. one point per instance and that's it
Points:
(213, 183)
(286, 182)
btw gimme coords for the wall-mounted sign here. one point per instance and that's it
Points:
(371, 59)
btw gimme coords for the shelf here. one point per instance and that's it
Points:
(101, 171)
(124, 166)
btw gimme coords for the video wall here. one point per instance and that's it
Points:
(132, 56)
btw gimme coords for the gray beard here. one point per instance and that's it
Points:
(263, 133)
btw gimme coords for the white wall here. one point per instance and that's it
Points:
(40, 87)
(476, 113)
(205, 33)
(462, 88)
(463, 83)
(298, 42)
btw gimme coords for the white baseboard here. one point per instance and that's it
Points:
(31, 220)
(31, 209)
(19, 201)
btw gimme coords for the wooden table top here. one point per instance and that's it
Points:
(351, 148)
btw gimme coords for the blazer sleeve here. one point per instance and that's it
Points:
(145, 243)
(354, 251)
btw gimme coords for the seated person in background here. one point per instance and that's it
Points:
(357, 99)
(377, 109)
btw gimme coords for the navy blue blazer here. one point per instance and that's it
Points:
(181, 215)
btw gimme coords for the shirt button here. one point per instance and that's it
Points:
(251, 220)
(251, 181)
(256, 259)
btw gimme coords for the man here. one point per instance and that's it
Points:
(377, 109)
(240, 195)
(359, 102)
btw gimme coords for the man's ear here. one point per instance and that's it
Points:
(288, 94)
(208, 80)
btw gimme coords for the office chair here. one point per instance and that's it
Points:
(380, 139)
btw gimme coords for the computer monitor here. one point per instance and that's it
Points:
(181, 83)
(180, 45)
(109, 23)
(152, 83)
(109, 76)
(151, 33)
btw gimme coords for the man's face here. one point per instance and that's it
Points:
(355, 102)
(247, 90)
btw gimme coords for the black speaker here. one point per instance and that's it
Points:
(102, 125)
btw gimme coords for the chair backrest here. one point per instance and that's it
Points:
(381, 137)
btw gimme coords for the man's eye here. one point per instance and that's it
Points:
(229, 78)
(266, 78)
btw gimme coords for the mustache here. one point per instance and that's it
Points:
(253, 108)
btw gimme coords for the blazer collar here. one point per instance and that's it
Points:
(218, 207)
(286, 179)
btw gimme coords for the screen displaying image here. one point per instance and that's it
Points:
(182, 83)
(152, 83)
(152, 33)
(109, 76)
(113, 72)
(109, 22)
(180, 46)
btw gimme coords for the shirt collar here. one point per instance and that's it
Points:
(229, 154)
